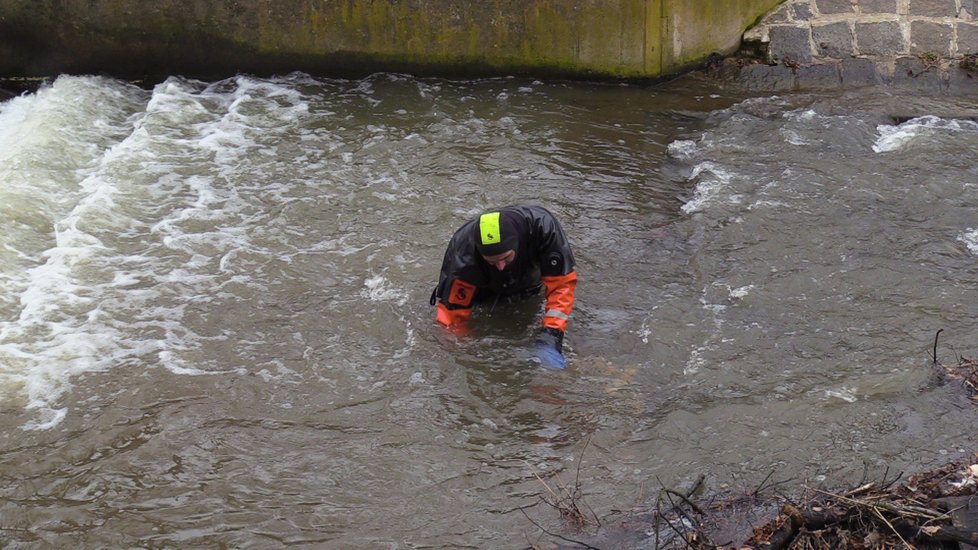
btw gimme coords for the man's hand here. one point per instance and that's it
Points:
(548, 345)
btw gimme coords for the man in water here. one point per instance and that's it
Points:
(510, 254)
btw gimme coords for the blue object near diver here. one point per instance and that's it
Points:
(549, 356)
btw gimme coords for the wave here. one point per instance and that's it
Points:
(897, 137)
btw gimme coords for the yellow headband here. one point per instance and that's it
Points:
(489, 228)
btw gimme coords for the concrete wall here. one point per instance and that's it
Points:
(574, 38)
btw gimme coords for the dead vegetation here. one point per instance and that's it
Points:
(964, 372)
(568, 501)
(932, 510)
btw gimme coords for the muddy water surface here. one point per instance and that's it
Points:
(215, 330)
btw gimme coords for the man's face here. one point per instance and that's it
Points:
(501, 261)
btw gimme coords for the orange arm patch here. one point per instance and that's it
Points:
(461, 294)
(458, 308)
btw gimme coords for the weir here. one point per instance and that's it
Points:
(576, 39)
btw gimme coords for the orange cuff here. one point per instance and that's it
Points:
(449, 317)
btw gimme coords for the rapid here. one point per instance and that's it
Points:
(215, 329)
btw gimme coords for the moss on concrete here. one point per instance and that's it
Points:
(575, 38)
(694, 30)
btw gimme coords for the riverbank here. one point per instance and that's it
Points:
(936, 509)
(920, 73)
(933, 509)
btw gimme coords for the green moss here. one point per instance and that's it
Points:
(588, 38)
(700, 29)
(969, 63)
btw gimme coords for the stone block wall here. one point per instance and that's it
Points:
(817, 31)
(927, 45)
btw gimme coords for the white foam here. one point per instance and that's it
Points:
(804, 115)
(767, 203)
(893, 138)
(695, 362)
(682, 149)
(52, 144)
(378, 289)
(741, 292)
(794, 138)
(644, 331)
(970, 239)
(844, 394)
(78, 306)
(712, 181)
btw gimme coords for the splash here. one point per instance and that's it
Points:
(894, 138)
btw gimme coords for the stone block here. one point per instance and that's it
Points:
(929, 37)
(857, 72)
(967, 38)
(833, 40)
(961, 82)
(878, 6)
(767, 78)
(880, 38)
(934, 8)
(884, 70)
(780, 15)
(911, 73)
(969, 9)
(790, 42)
(834, 6)
(820, 76)
(802, 11)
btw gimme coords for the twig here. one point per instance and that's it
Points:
(892, 528)
(884, 485)
(684, 498)
(571, 512)
(577, 475)
(761, 486)
(865, 476)
(911, 511)
(696, 485)
(676, 508)
(658, 517)
(567, 501)
(756, 493)
(679, 533)
(861, 489)
(577, 482)
(935, 344)
(542, 482)
(555, 535)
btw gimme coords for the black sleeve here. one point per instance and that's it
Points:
(458, 264)
(552, 247)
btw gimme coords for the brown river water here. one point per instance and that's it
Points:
(215, 329)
